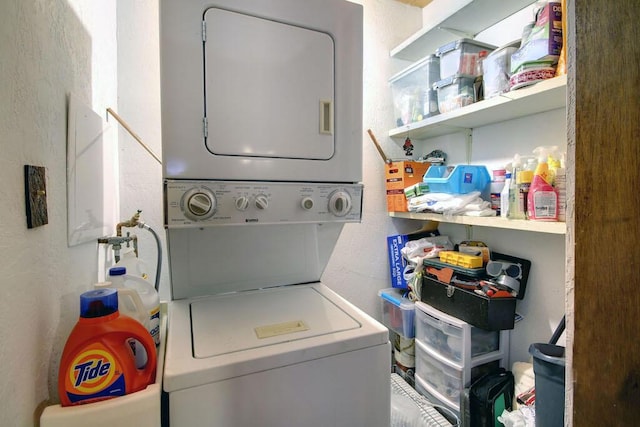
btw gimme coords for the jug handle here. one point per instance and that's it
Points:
(146, 375)
(137, 302)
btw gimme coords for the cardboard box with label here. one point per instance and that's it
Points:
(400, 175)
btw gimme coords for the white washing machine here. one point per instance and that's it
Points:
(262, 158)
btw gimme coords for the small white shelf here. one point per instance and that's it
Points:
(461, 19)
(543, 96)
(494, 222)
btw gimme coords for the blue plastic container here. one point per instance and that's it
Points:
(462, 179)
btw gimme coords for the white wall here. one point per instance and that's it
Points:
(358, 267)
(139, 106)
(47, 50)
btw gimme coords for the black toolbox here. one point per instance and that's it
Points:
(484, 312)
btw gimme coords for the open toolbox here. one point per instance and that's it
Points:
(483, 297)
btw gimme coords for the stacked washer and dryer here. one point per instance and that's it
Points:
(262, 159)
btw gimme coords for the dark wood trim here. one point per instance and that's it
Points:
(604, 147)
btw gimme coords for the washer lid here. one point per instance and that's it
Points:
(227, 324)
(231, 323)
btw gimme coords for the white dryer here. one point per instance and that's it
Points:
(262, 146)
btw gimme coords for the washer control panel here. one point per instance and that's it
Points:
(204, 203)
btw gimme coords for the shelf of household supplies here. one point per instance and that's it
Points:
(494, 222)
(543, 96)
(447, 20)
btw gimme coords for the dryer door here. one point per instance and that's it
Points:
(259, 105)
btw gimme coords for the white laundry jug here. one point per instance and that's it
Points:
(148, 295)
(135, 265)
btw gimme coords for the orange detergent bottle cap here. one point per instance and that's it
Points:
(98, 362)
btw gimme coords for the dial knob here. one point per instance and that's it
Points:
(199, 204)
(340, 203)
(307, 203)
(242, 203)
(262, 202)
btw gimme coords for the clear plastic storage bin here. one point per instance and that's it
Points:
(414, 97)
(455, 92)
(461, 57)
(497, 71)
(398, 312)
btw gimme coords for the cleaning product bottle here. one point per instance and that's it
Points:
(542, 198)
(97, 362)
(504, 195)
(515, 207)
(524, 184)
(130, 304)
(496, 187)
(560, 185)
(150, 298)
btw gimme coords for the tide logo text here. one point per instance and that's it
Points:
(91, 370)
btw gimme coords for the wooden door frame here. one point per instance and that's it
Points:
(603, 236)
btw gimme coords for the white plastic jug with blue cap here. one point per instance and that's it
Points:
(147, 293)
(135, 265)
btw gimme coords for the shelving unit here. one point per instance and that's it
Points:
(494, 222)
(467, 18)
(543, 96)
(463, 19)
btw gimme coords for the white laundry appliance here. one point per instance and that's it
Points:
(262, 158)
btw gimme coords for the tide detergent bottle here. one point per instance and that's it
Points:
(97, 361)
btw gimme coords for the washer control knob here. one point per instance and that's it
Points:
(307, 203)
(340, 203)
(242, 203)
(262, 202)
(199, 204)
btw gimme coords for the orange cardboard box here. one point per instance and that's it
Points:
(400, 175)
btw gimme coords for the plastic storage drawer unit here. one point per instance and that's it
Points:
(398, 312)
(461, 57)
(456, 340)
(414, 98)
(436, 398)
(445, 381)
(462, 179)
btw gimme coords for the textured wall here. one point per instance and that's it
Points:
(48, 49)
(358, 267)
(139, 105)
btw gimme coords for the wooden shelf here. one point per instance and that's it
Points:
(460, 19)
(494, 222)
(543, 96)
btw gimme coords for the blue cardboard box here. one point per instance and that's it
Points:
(397, 263)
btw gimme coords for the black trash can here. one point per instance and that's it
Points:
(549, 367)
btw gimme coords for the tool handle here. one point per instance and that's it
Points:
(375, 142)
